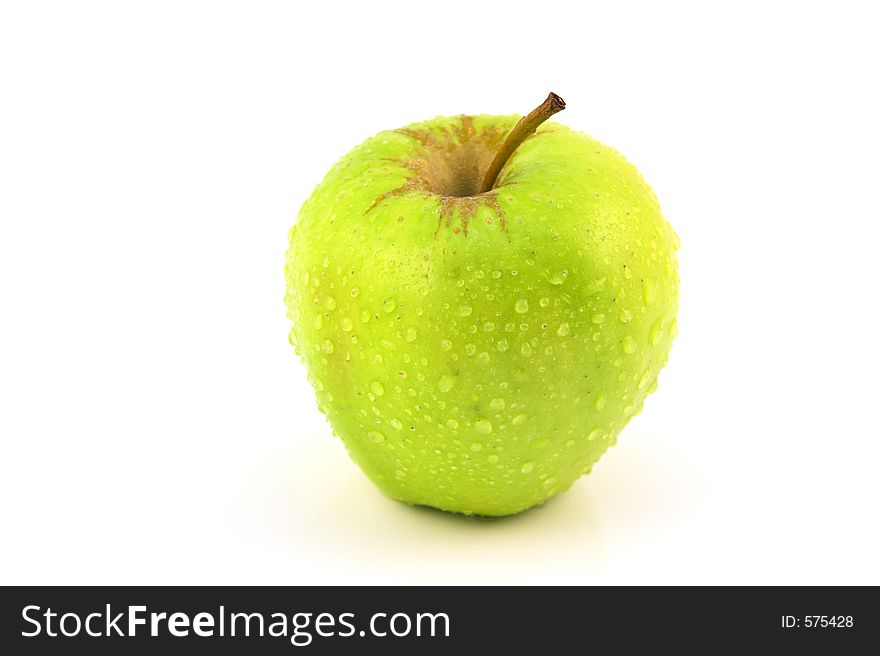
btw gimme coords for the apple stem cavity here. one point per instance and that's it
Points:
(520, 132)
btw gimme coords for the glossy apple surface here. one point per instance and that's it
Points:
(479, 352)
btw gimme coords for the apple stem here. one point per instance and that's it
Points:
(520, 132)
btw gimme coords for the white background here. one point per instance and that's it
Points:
(156, 425)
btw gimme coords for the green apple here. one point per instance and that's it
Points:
(481, 305)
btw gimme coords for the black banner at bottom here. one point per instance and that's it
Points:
(434, 620)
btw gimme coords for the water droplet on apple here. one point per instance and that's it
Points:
(395, 424)
(376, 437)
(389, 304)
(492, 458)
(645, 379)
(446, 382)
(525, 349)
(564, 329)
(594, 435)
(497, 404)
(496, 274)
(656, 332)
(528, 467)
(411, 334)
(625, 316)
(483, 426)
(598, 318)
(519, 420)
(483, 358)
(559, 277)
(445, 345)
(544, 302)
(318, 323)
(629, 345)
(601, 401)
(521, 306)
(476, 446)
(502, 345)
(327, 346)
(345, 324)
(330, 303)
(470, 349)
(451, 424)
(465, 310)
(377, 388)
(365, 316)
